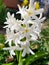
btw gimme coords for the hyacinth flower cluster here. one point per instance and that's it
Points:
(21, 32)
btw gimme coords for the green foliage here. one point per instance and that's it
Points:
(8, 64)
(37, 56)
(2, 38)
(3, 12)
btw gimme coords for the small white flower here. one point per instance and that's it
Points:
(28, 30)
(12, 49)
(9, 36)
(36, 26)
(26, 50)
(30, 12)
(22, 11)
(12, 23)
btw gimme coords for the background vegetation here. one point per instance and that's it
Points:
(3, 12)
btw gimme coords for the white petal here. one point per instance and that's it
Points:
(8, 14)
(24, 53)
(31, 52)
(13, 47)
(12, 52)
(41, 20)
(9, 43)
(40, 16)
(12, 15)
(34, 37)
(39, 11)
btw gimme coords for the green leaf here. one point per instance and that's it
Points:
(20, 63)
(2, 45)
(3, 13)
(35, 57)
(23, 39)
(2, 38)
(0, 2)
(45, 32)
(8, 63)
(17, 55)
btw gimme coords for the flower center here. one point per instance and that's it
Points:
(29, 13)
(26, 30)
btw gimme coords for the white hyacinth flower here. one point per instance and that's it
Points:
(12, 23)
(9, 36)
(12, 49)
(29, 27)
(26, 50)
(28, 30)
(30, 12)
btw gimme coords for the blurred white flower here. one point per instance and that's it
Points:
(9, 36)
(12, 49)
(26, 48)
(33, 30)
(30, 12)
(28, 28)
(12, 23)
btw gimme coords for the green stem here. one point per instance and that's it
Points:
(20, 59)
(20, 56)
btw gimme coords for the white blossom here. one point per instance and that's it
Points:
(26, 48)
(12, 23)
(30, 12)
(28, 28)
(9, 36)
(12, 49)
